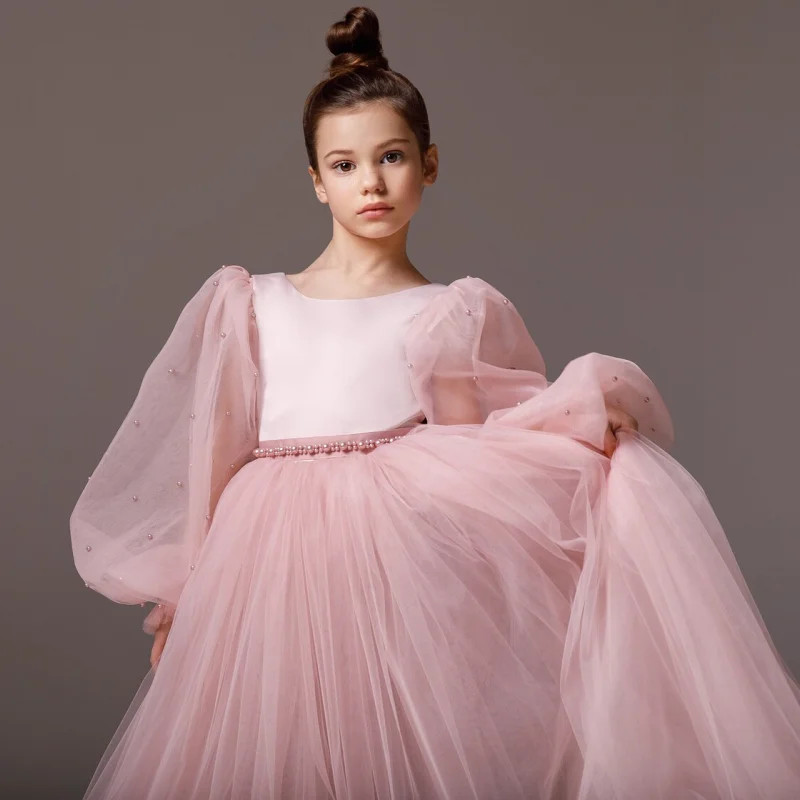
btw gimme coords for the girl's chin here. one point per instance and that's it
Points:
(376, 229)
(376, 234)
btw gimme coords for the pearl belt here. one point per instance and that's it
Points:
(347, 443)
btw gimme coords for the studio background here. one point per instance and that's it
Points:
(627, 172)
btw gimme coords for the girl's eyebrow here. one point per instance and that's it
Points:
(377, 146)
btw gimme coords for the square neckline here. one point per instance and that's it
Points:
(296, 291)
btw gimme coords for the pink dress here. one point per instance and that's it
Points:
(401, 566)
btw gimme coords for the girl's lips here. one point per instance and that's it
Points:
(375, 212)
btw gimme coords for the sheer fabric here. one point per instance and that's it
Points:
(663, 627)
(141, 520)
(475, 361)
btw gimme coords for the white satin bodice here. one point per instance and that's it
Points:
(333, 366)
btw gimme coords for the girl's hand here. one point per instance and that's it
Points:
(617, 418)
(159, 640)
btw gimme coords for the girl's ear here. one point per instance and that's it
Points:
(319, 189)
(430, 162)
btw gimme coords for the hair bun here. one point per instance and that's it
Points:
(356, 42)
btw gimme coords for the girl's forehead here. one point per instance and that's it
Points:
(363, 125)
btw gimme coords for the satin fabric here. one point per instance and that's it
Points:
(333, 366)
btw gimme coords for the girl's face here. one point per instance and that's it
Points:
(370, 155)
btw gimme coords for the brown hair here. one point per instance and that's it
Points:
(359, 73)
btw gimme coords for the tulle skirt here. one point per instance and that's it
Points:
(466, 612)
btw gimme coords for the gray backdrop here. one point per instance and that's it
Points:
(627, 172)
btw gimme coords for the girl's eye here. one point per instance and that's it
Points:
(342, 163)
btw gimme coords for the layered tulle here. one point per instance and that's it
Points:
(364, 625)
(671, 682)
(488, 607)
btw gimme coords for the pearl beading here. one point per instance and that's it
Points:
(363, 445)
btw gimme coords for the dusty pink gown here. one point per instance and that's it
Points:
(400, 566)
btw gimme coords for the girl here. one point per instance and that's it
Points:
(390, 559)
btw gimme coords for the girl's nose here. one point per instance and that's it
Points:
(372, 181)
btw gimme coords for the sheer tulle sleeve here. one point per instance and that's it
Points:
(474, 361)
(144, 512)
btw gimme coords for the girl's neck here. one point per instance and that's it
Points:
(369, 267)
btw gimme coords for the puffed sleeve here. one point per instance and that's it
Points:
(143, 515)
(474, 361)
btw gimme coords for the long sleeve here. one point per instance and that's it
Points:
(474, 361)
(143, 515)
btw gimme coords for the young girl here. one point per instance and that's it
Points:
(390, 559)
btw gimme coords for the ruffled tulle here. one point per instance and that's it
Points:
(467, 612)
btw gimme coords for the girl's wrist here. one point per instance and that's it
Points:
(160, 616)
